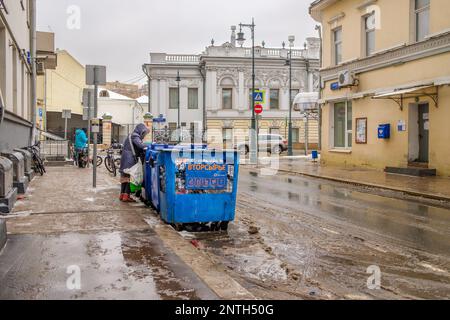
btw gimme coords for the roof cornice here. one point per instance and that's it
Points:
(316, 8)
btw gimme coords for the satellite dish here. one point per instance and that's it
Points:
(2, 108)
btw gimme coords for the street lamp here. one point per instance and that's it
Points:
(178, 80)
(253, 134)
(289, 63)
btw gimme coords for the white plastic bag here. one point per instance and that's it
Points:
(136, 173)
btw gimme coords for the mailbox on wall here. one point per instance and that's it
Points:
(384, 131)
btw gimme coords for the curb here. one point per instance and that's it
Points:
(372, 185)
(425, 195)
(223, 285)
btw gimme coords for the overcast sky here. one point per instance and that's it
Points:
(121, 33)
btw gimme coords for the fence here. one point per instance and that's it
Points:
(55, 150)
(173, 136)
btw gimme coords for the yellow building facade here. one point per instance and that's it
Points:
(386, 67)
(61, 89)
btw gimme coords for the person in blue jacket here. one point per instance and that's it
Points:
(80, 144)
(128, 160)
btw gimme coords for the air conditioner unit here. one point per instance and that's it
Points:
(40, 68)
(346, 79)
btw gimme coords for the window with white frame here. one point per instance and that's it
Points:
(369, 34)
(422, 19)
(295, 135)
(343, 125)
(337, 45)
(274, 99)
(173, 98)
(227, 98)
(192, 98)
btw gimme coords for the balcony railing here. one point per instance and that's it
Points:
(182, 58)
(274, 53)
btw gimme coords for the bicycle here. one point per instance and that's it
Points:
(112, 163)
(38, 163)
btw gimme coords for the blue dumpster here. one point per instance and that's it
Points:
(197, 186)
(151, 181)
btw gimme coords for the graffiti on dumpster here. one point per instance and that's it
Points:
(206, 176)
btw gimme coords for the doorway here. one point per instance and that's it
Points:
(424, 132)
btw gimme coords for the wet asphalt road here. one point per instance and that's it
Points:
(293, 238)
(298, 237)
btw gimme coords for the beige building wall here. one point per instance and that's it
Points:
(395, 27)
(64, 85)
(396, 32)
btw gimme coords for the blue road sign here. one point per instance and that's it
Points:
(259, 96)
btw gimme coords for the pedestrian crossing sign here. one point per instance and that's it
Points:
(259, 96)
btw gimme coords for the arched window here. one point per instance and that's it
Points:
(227, 85)
(275, 86)
(104, 94)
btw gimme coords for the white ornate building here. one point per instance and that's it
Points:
(216, 86)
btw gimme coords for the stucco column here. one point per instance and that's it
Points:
(148, 121)
(241, 100)
(107, 129)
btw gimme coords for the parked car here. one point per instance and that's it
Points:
(271, 143)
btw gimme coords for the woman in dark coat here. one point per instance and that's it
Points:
(128, 160)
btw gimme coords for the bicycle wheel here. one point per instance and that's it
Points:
(39, 166)
(99, 161)
(109, 164)
(114, 169)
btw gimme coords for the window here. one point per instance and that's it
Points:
(227, 98)
(173, 98)
(369, 29)
(274, 99)
(343, 125)
(275, 131)
(227, 135)
(422, 16)
(192, 98)
(295, 135)
(294, 93)
(173, 126)
(337, 46)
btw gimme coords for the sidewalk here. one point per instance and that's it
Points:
(436, 188)
(63, 225)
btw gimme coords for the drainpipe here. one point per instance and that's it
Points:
(204, 123)
(144, 68)
(33, 69)
(319, 29)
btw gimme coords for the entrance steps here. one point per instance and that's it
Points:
(414, 170)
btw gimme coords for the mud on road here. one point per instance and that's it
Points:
(300, 238)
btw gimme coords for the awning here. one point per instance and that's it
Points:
(400, 94)
(306, 102)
